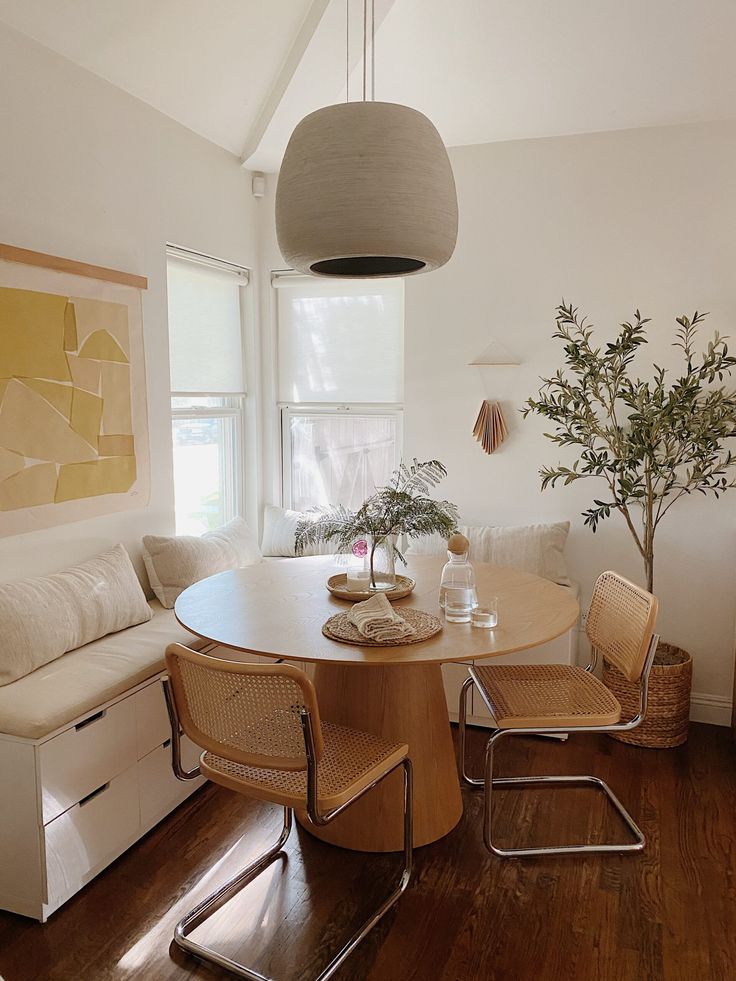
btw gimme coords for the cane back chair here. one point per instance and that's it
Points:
(556, 699)
(260, 731)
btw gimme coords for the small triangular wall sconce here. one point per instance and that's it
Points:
(495, 353)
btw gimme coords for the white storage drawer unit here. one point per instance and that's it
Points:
(78, 798)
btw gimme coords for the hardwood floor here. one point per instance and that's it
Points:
(669, 913)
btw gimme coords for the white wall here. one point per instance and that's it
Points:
(610, 221)
(91, 173)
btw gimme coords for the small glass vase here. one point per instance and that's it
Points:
(381, 563)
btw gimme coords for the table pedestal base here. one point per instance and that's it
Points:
(402, 703)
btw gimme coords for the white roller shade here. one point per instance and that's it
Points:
(340, 341)
(205, 327)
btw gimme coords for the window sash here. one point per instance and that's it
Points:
(288, 411)
(231, 450)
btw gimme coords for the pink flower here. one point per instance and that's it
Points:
(360, 548)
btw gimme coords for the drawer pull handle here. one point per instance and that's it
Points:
(90, 720)
(95, 793)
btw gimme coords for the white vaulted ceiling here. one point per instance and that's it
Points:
(243, 73)
(209, 64)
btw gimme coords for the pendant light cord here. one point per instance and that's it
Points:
(365, 48)
(373, 50)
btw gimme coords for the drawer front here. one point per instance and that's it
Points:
(90, 835)
(151, 718)
(160, 791)
(79, 760)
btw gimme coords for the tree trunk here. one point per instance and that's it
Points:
(649, 529)
(649, 570)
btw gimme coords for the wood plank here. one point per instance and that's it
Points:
(11, 253)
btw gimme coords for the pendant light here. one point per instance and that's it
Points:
(366, 189)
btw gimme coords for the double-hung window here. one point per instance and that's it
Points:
(340, 386)
(206, 344)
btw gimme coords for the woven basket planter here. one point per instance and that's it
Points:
(668, 707)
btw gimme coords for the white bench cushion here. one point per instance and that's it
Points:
(83, 679)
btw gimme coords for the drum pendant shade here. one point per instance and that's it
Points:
(366, 189)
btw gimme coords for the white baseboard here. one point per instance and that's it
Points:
(714, 709)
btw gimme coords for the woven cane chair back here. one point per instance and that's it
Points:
(621, 622)
(247, 713)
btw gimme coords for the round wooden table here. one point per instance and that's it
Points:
(277, 609)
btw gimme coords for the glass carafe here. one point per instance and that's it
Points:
(458, 572)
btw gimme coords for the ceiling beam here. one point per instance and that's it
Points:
(286, 73)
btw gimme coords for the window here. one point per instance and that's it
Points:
(340, 385)
(208, 390)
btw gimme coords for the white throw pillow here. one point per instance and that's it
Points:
(279, 533)
(175, 562)
(44, 617)
(532, 548)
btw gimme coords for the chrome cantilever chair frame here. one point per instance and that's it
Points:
(197, 916)
(489, 781)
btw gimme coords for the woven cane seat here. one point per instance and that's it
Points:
(545, 695)
(351, 760)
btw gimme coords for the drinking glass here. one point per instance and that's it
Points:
(458, 604)
(486, 613)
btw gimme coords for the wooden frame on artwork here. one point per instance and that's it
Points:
(73, 412)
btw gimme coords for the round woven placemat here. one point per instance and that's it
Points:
(341, 629)
(337, 585)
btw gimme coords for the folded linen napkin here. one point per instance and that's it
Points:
(376, 620)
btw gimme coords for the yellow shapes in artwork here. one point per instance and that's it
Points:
(31, 426)
(60, 396)
(65, 399)
(32, 334)
(10, 463)
(115, 391)
(102, 346)
(93, 315)
(85, 374)
(116, 445)
(110, 475)
(70, 328)
(28, 488)
(86, 415)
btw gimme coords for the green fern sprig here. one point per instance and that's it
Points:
(402, 507)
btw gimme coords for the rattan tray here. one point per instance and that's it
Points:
(337, 585)
(341, 629)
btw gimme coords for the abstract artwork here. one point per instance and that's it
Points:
(73, 428)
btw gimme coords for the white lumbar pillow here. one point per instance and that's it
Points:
(279, 533)
(175, 562)
(532, 548)
(44, 617)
